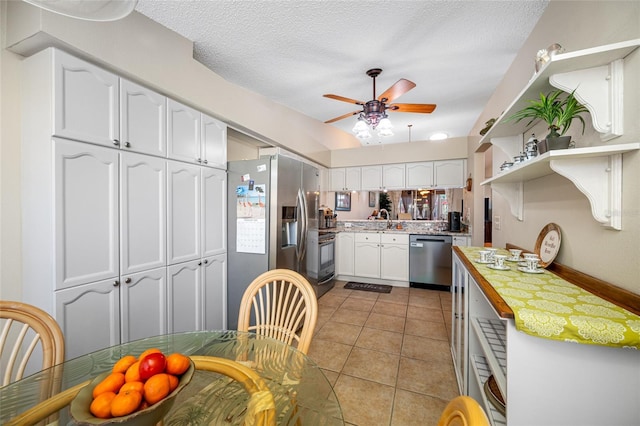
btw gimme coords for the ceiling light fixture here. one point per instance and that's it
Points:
(88, 10)
(438, 136)
(373, 115)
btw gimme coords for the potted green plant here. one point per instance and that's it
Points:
(557, 112)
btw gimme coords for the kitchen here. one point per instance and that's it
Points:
(548, 199)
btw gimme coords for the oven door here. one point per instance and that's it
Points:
(326, 259)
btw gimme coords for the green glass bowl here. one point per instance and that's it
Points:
(149, 416)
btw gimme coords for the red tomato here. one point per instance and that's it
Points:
(152, 364)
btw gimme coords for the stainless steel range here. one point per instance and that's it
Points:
(321, 262)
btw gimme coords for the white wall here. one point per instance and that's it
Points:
(586, 246)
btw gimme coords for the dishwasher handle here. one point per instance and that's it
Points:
(428, 240)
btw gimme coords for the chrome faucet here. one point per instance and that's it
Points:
(388, 216)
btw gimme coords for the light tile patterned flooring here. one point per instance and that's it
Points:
(387, 355)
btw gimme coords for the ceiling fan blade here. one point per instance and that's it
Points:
(421, 108)
(349, 114)
(343, 99)
(400, 87)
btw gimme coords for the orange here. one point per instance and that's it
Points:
(111, 383)
(173, 382)
(123, 364)
(133, 373)
(156, 388)
(147, 352)
(101, 405)
(177, 364)
(125, 403)
(135, 386)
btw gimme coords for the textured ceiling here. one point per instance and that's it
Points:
(293, 52)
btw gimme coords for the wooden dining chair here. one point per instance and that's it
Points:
(260, 409)
(25, 327)
(284, 307)
(463, 411)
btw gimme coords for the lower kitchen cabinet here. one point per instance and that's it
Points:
(543, 381)
(214, 292)
(384, 256)
(143, 297)
(345, 262)
(457, 240)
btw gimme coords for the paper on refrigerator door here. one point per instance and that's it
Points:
(251, 229)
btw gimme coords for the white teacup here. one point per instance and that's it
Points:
(484, 255)
(498, 260)
(515, 253)
(492, 253)
(532, 263)
(530, 255)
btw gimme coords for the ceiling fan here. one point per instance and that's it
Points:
(375, 110)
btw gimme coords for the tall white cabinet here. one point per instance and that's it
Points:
(112, 218)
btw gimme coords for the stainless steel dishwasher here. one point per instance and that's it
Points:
(429, 260)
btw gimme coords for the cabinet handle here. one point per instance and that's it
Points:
(127, 144)
(206, 261)
(199, 263)
(116, 142)
(199, 160)
(205, 162)
(128, 280)
(116, 283)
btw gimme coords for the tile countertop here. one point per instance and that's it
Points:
(431, 227)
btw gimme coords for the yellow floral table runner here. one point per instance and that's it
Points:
(547, 306)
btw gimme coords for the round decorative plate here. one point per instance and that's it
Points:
(548, 244)
(149, 416)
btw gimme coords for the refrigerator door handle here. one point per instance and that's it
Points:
(302, 246)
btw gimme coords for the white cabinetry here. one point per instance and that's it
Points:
(394, 257)
(85, 98)
(393, 176)
(345, 262)
(345, 179)
(449, 173)
(183, 132)
(213, 142)
(571, 383)
(143, 119)
(383, 256)
(371, 178)
(419, 175)
(367, 255)
(458, 240)
(97, 219)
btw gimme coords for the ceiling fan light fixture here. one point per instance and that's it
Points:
(384, 127)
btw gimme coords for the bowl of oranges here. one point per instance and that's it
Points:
(137, 390)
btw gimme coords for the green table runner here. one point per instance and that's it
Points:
(547, 306)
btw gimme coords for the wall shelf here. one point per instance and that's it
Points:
(595, 171)
(595, 73)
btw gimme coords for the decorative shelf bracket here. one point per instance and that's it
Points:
(513, 192)
(600, 180)
(599, 89)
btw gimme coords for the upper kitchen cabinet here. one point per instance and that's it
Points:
(345, 179)
(214, 142)
(371, 178)
(449, 173)
(143, 119)
(195, 137)
(85, 99)
(393, 176)
(183, 132)
(419, 175)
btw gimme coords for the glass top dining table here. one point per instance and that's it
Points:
(301, 391)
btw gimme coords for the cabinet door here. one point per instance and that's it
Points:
(143, 304)
(352, 179)
(394, 262)
(143, 119)
(214, 212)
(184, 302)
(458, 324)
(143, 220)
(86, 213)
(371, 178)
(367, 255)
(419, 175)
(89, 316)
(183, 132)
(449, 173)
(345, 257)
(393, 176)
(459, 241)
(183, 212)
(337, 179)
(214, 292)
(214, 142)
(85, 101)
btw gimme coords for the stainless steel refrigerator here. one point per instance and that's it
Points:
(272, 211)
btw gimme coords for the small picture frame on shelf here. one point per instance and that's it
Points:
(372, 198)
(343, 201)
